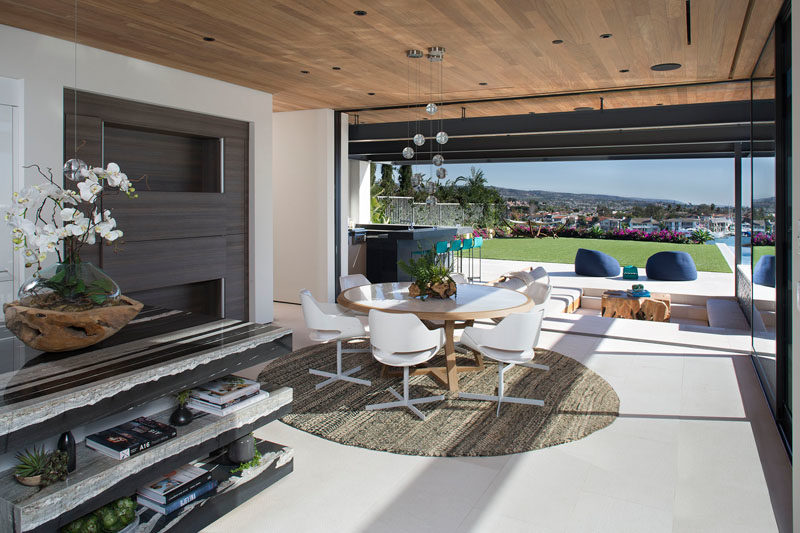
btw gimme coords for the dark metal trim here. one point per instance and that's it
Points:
(783, 222)
(607, 90)
(337, 198)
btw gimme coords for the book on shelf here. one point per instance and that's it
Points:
(225, 405)
(130, 438)
(206, 407)
(223, 390)
(174, 485)
(174, 505)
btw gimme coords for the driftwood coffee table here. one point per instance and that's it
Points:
(619, 304)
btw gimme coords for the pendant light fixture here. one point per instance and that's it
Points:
(418, 139)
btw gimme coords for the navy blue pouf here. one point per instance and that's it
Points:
(596, 264)
(671, 266)
(764, 271)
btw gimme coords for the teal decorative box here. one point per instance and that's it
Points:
(630, 272)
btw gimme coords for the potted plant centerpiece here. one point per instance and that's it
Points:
(72, 304)
(430, 276)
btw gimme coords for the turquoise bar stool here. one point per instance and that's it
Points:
(467, 247)
(455, 246)
(478, 245)
(442, 247)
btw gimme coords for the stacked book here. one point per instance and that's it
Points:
(169, 493)
(226, 395)
(130, 438)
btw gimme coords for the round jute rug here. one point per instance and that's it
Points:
(577, 402)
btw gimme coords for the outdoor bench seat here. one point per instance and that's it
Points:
(725, 314)
(564, 300)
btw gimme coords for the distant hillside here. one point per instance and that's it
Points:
(578, 199)
(765, 203)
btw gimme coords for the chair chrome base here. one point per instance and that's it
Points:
(500, 398)
(340, 375)
(404, 400)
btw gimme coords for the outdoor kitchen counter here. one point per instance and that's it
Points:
(389, 243)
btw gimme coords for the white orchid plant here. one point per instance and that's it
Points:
(48, 219)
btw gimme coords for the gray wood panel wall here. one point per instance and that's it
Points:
(185, 244)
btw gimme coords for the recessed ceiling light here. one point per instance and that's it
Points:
(665, 66)
(482, 83)
(624, 70)
(209, 39)
(557, 41)
(303, 72)
(336, 68)
(605, 35)
(584, 108)
(359, 12)
(371, 94)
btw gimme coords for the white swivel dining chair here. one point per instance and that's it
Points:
(328, 322)
(352, 280)
(459, 278)
(401, 339)
(511, 342)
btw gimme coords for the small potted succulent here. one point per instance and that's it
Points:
(182, 415)
(30, 465)
(38, 467)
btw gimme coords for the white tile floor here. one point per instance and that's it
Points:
(694, 449)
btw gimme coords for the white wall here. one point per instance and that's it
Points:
(359, 192)
(45, 65)
(303, 183)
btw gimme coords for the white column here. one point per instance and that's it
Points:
(359, 192)
(303, 189)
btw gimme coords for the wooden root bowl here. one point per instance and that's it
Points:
(60, 331)
(437, 290)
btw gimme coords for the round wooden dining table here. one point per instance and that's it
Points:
(471, 302)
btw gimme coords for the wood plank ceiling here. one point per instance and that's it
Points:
(506, 44)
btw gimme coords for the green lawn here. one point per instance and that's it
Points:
(562, 250)
(758, 251)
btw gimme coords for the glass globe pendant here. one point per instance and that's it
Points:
(431, 108)
(441, 173)
(438, 160)
(73, 169)
(441, 137)
(431, 200)
(419, 139)
(408, 152)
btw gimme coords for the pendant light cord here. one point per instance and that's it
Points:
(75, 88)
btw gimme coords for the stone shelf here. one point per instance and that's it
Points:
(158, 353)
(99, 479)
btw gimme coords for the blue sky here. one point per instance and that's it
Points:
(687, 180)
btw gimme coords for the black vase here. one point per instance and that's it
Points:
(181, 416)
(242, 450)
(66, 443)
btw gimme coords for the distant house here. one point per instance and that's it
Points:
(609, 223)
(644, 224)
(683, 224)
(721, 224)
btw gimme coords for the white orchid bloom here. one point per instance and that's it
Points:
(113, 235)
(89, 189)
(68, 214)
(90, 238)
